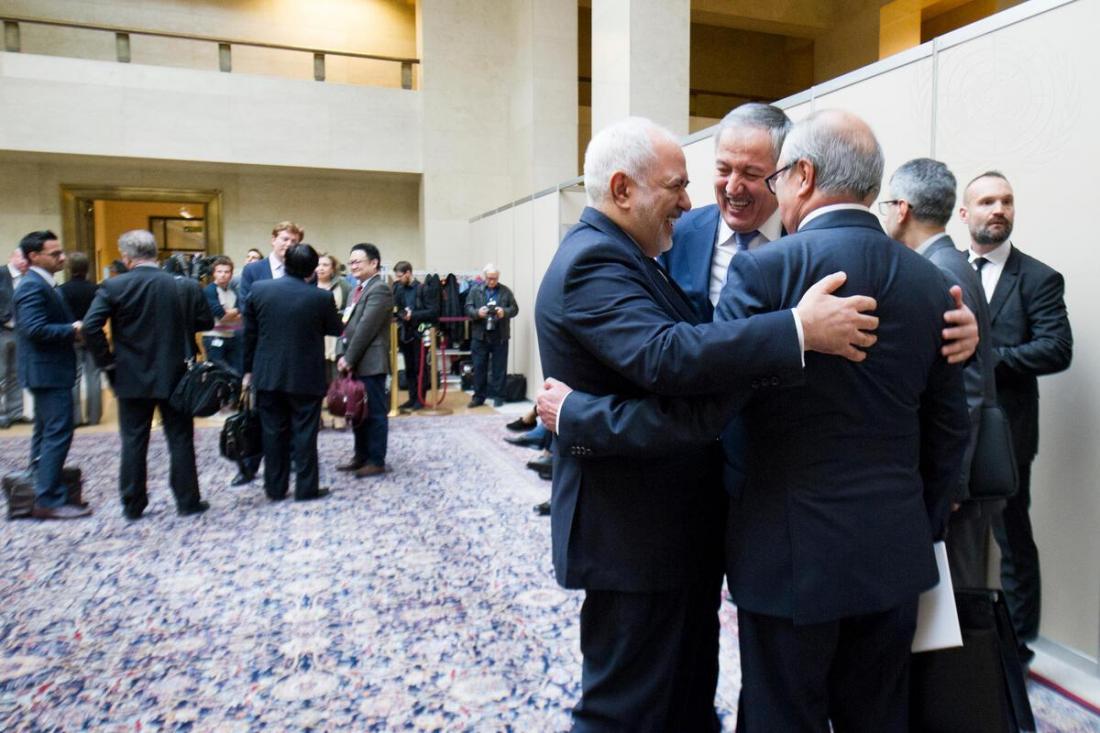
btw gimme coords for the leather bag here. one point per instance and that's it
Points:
(993, 472)
(347, 398)
(19, 490)
(205, 388)
(242, 435)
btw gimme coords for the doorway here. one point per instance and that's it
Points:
(186, 223)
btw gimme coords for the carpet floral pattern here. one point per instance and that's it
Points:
(423, 600)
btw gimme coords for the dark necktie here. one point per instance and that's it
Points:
(979, 263)
(742, 239)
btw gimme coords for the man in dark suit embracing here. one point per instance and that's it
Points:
(285, 324)
(46, 332)
(642, 536)
(154, 318)
(849, 475)
(1031, 338)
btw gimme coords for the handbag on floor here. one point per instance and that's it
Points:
(241, 436)
(979, 687)
(19, 490)
(515, 388)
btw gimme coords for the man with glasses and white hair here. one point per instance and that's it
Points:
(639, 530)
(46, 332)
(491, 308)
(154, 317)
(850, 474)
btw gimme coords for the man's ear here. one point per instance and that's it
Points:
(805, 169)
(621, 189)
(962, 213)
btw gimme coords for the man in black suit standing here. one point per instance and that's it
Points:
(285, 324)
(921, 200)
(79, 293)
(1031, 338)
(11, 394)
(46, 331)
(365, 352)
(154, 318)
(849, 475)
(642, 536)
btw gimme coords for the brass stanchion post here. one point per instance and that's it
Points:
(394, 412)
(434, 409)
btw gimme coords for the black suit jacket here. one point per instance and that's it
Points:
(505, 300)
(285, 324)
(79, 294)
(849, 475)
(1031, 337)
(610, 322)
(154, 317)
(978, 379)
(7, 296)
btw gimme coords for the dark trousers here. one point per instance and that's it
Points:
(968, 542)
(490, 363)
(135, 419)
(650, 661)
(1020, 559)
(372, 435)
(411, 353)
(224, 350)
(11, 392)
(853, 671)
(53, 434)
(289, 424)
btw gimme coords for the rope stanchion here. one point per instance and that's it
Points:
(436, 409)
(394, 411)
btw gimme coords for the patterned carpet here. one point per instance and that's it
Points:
(423, 600)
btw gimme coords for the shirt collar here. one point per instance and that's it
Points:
(828, 210)
(997, 256)
(929, 242)
(274, 262)
(45, 275)
(771, 229)
(15, 274)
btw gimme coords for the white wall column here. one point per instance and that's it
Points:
(641, 52)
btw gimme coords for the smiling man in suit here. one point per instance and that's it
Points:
(642, 537)
(154, 316)
(1031, 338)
(285, 324)
(46, 332)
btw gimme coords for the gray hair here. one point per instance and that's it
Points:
(766, 117)
(138, 244)
(490, 268)
(847, 158)
(928, 186)
(625, 146)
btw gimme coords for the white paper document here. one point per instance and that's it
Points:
(937, 616)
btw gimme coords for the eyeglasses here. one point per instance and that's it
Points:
(55, 254)
(770, 180)
(883, 206)
(357, 262)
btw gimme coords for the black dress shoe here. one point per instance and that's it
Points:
(198, 507)
(498, 402)
(66, 511)
(541, 464)
(520, 425)
(523, 440)
(321, 494)
(547, 474)
(241, 479)
(543, 509)
(476, 402)
(353, 466)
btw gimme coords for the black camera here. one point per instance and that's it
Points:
(491, 316)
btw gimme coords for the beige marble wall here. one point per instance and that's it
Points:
(336, 209)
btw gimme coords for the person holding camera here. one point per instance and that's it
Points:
(491, 307)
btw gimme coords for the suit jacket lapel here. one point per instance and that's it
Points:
(1006, 283)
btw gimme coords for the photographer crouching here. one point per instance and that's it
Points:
(491, 307)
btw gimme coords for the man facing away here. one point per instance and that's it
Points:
(1031, 338)
(849, 475)
(154, 318)
(365, 353)
(46, 331)
(285, 324)
(922, 197)
(79, 293)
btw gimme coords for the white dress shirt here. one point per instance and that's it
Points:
(991, 272)
(277, 266)
(725, 248)
(829, 209)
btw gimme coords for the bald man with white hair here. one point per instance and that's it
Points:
(491, 308)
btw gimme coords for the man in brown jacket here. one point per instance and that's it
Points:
(365, 349)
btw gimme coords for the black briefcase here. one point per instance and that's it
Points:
(242, 435)
(515, 388)
(19, 490)
(979, 687)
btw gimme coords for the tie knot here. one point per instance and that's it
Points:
(742, 239)
(979, 263)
